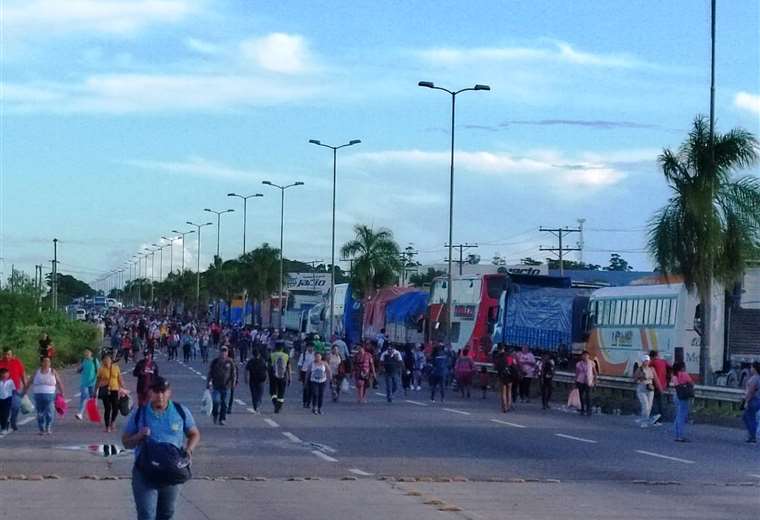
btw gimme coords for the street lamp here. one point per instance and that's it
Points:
(161, 260)
(282, 229)
(182, 234)
(171, 251)
(453, 93)
(332, 244)
(198, 265)
(152, 253)
(218, 224)
(245, 211)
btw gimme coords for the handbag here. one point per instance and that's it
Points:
(125, 405)
(685, 391)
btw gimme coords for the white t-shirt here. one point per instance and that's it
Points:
(6, 388)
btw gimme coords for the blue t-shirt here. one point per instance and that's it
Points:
(89, 371)
(166, 427)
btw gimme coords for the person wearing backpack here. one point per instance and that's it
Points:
(163, 435)
(391, 362)
(279, 362)
(256, 376)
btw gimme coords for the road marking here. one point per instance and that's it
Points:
(203, 377)
(453, 410)
(292, 437)
(415, 402)
(572, 438)
(360, 472)
(240, 402)
(271, 423)
(676, 459)
(507, 423)
(25, 421)
(323, 456)
(322, 447)
(753, 475)
(380, 394)
(251, 410)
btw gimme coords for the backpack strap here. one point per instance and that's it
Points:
(181, 412)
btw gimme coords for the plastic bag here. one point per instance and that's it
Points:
(574, 399)
(60, 405)
(93, 414)
(207, 403)
(345, 385)
(26, 405)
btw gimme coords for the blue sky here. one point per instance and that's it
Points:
(123, 119)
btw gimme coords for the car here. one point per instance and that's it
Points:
(80, 315)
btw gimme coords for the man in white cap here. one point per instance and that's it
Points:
(645, 385)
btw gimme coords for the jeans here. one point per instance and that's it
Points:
(45, 411)
(657, 408)
(391, 385)
(645, 399)
(306, 396)
(5, 413)
(317, 394)
(257, 391)
(219, 411)
(231, 398)
(584, 392)
(85, 392)
(750, 417)
(15, 408)
(682, 414)
(153, 503)
(436, 382)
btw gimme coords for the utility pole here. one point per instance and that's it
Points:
(54, 284)
(561, 250)
(461, 248)
(581, 243)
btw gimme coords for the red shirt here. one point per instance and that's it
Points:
(15, 368)
(660, 367)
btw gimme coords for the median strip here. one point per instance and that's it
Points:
(666, 457)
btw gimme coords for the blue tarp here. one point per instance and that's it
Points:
(538, 317)
(352, 318)
(407, 308)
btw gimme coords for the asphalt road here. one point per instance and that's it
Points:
(507, 460)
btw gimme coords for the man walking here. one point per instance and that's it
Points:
(221, 379)
(145, 371)
(392, 363)
(160, 421)
(256, 376)
(18, 376)
(279, 375)
(661, 368)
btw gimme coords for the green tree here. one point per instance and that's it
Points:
(260, 271)
(711, 223)
(69, 288)
(376, 256)
(618, 263)
(572, 265)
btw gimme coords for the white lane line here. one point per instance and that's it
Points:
(292, 437)
(676, 459)
(415, 402)
(323, 456)
(271, 423)
(753, 475)
(240, 402)
(359, 472)
(203, 377)
(380, 394)
(507, 423)
(251, 410)
(454, 410)
(25, 421)
(572, 438)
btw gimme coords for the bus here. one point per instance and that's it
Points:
(626, 322)
(475, 302)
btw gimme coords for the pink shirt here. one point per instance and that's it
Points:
(681, 378)
(584, 372)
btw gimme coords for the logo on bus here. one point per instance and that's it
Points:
(466, 312)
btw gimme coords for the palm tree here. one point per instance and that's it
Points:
(711, 224)
(376, 256)
(260, 271)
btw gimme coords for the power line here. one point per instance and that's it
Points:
(560, 234)
(461, 247)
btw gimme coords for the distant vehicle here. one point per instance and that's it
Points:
(626, 322)
(80, 315)
(99, 301)
(113, 303)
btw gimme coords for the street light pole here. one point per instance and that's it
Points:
(198, 266)
(245, 210)
(182, 234)
(218, 224)
(332, 243)
(449, 282)
(160, 261)
(282, 234)
(171, 251)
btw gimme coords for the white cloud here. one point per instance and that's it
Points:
(748, 102)
(592, 171)
(560, 52)
(279, 52)
(118, 17)
(202, 46)
(196, 167)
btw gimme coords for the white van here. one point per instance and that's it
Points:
(80, 315)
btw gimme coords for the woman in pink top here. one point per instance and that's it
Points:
(681, 377)
(585, 379)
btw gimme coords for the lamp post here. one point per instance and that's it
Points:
(245, 211)
(152, 253)
(161, 260)
(453, 93)
(171, 251)
(198, 265)
(140, 256)
(218, 224)
(282, 230)
(182, 234)
(332, 243)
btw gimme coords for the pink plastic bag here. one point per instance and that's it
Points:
(574, 399)
(93, 414)
(60, 405)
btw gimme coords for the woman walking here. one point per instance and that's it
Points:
(364, 371)
(645, 381)
(464, 370)
(751, 403)
(88, 370)
(684, 390)
(44, 385)
(109, 385)
(506, 368)
(336, 363)
(319, 374)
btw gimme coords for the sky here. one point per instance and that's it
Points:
(122, 120)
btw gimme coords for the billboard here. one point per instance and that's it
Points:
(309, 281)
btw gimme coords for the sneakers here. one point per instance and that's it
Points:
(78, 416)
(656, 417)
